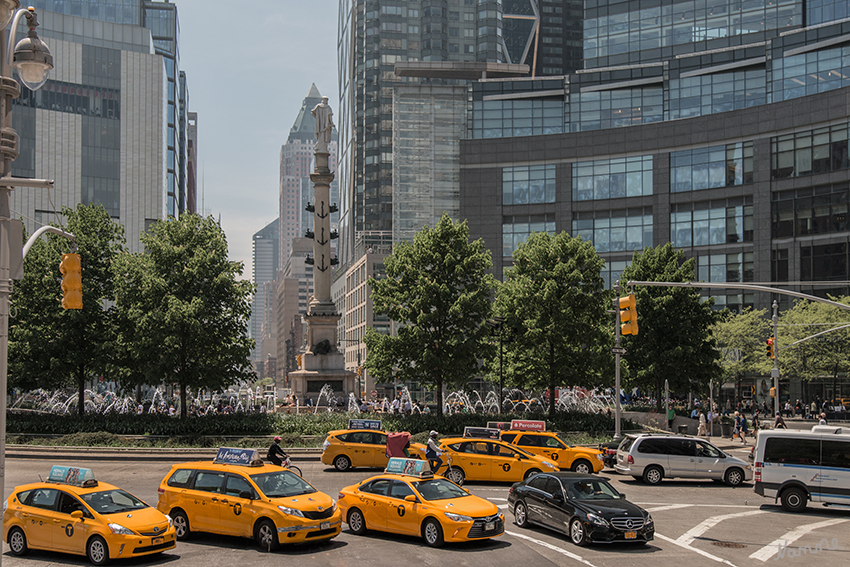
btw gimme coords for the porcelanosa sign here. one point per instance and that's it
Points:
(528, 425)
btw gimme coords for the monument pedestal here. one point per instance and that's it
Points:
(322, 363)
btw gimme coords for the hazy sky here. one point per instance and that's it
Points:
(248, 70)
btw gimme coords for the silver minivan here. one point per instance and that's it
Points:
(650, 457)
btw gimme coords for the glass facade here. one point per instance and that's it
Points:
(719, 92)
(715, 166)
(711, 223)
(596, 110)
(821, 11)
(809, 73)
(736, 267)
(809, 152)
(507, 118)
(114, 11)
(517, 228)
(527, 184)
(810, 211)
(615, 231)
(612, 178)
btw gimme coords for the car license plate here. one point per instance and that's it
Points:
(157, 540)
(325, 525)
(631, 535)
(489, 526)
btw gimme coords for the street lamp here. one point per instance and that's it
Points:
(497, 326)
(33, 61)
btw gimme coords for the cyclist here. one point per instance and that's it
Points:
(433, 452)
(276, 454)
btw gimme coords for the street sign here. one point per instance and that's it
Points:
(374, 393)
(620, 351)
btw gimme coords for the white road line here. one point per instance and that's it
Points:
(689, 536)
(503, 506)
(703, 505)
(499, 499)
(668, 507)
(695, 550)
(555, 548)
(772, 548)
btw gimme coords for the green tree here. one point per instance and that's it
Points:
(740, 339)
(675, 341)
(554, 297)
(438, 290)
(183, 314)
(50, 347)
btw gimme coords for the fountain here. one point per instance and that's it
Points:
(327, 392)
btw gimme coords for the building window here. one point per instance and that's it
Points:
(823, 263)
(718, 92)
(508, 118)
(612, 178)
(810, 211)
(615, 231)
(779, 265)
(715, 166)
(517, 228)
(810, 152)
(736, 267)
(711, 223)
(596, 110)
(809, 73)
(528, 184)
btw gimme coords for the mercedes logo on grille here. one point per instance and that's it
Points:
(629, 523)
(155, 529)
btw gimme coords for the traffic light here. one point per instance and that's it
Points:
(770, 348)
(772, 392)
(298, 360)
(360, 371)
(628, 315)
(72, 281)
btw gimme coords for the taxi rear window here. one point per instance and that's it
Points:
(182, 478)
(508, 437)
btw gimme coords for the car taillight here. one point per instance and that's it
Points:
(161, 490)
(631, 460)
(757, 473)
(341, 496)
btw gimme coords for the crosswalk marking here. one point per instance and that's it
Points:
(695, 550)
(689, 536)
(772, 548)
(552, 547)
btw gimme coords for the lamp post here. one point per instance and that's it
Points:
(497, 325)
(33, 61)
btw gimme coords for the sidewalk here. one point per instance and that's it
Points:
(127, 453)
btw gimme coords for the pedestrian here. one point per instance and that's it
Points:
(813, 409)
(671, 415)
(701, 432)
(712, 415)
(756, 423)
(779, 423)
(788, 409)
(823, 419)
(737, 432)
(798, 409)
(743, 428)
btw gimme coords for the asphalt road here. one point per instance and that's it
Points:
(697, 524)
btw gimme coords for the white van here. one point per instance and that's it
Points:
(797, 466)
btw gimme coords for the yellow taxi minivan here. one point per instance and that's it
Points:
(72, 512)
(548, 445)
(237, 494)
(407, 499)
(346, 449)
(466, 458)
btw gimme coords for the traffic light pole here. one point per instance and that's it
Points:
(617, 350)
(774, 372)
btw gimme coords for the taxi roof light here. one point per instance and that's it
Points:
(408, 467)
(76, 476)
(235, 456)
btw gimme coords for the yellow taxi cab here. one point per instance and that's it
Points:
(548, 445)
(470, 458)
(237, 494)
(364, 446)
(408, 499)
(74, 513)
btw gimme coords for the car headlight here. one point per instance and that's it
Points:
(333, 508)
(649, 522)
(170, 521)
(598, 520)
(457, 517)
(291, 511)
(120, 530)
(600, 457)
(550, 465)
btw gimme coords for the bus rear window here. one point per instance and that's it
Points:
(792, 451)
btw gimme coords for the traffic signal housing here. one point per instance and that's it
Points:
(770, 353)
(298, 360)
(773, 392)
(72, 281)
(628, 315)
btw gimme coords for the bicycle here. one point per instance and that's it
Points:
(288, 464)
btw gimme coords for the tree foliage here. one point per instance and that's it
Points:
(50, 347)
(740, 339)
(554, 300)
(824, 355)
(183, 315)
(675, 341)
(438, 291)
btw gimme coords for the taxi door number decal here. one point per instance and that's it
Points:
(400, 511)
(237, 508)
(554, 456)
(506, 467)
(69, 530)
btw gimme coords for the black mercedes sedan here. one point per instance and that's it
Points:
(584, 507)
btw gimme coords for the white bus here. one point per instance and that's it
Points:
(797, 466)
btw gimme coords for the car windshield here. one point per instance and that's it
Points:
(282, 484)
(591, 490)
(439, 489)
(113, 501)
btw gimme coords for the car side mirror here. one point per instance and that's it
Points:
(77, 514)
(623, 496)
(558, 497)
(246, 495)
(410, 498)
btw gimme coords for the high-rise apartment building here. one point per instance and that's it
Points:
(160, 18)
(723, 130)
(266, 262)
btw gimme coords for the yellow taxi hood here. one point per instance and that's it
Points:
(137, 519)
(467, 506)
(544, 460)
(585, 450)
(305, 502)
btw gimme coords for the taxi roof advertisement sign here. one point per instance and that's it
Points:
(503, 425)
(406, 466)
(231, 456)
(481, 432)
(365, 424)
(528, 425)
(69, 475)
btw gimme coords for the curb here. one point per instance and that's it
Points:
(122, 453)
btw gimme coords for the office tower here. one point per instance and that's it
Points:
(266, 242)
(543, 34)
(192, 162)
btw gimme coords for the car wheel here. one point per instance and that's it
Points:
(793, 499)
(734, 477)
(578, 534)
(456, 476)
(356, 522)
(97, 551)
(582, 466)
(521, 514)
(18, 542)
(266, 535)
(530, 473)
(181, 524)
(653, 474)
(432, 532)
(342, 463)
